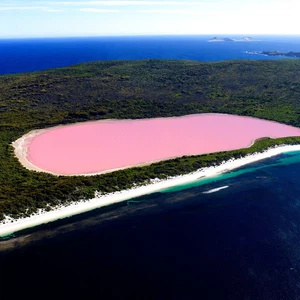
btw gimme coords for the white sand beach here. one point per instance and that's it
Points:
(10, 226)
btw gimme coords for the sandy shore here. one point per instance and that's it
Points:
(21, 148)
(9, 226)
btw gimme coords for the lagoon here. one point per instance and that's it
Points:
(102, 146)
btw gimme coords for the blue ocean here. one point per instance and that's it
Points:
(26, 55)
(234, 236)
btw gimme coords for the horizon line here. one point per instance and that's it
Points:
(147, 35)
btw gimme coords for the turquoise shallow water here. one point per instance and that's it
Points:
(287, 159)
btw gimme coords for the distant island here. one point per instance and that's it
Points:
(216, 39)
(226, 39)
(276, 53)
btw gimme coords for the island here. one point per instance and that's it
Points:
(226, 39)
(158, 94)
(247, 39)
(216, 39)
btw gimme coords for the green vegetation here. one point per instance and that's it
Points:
(278, 53)
(133, 89)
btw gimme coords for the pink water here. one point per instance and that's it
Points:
(99, 146)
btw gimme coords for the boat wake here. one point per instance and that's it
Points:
(216, 189)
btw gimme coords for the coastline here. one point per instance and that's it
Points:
(10, 226)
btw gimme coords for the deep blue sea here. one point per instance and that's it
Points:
(240, 242)
(26, 55)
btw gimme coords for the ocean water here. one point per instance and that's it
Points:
(239, 242)
(234, 236)
(25, 55)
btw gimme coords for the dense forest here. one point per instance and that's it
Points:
(133, 89)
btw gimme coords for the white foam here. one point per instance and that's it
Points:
(216, 189)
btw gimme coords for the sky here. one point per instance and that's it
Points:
(63, 18)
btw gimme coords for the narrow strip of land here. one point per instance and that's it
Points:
(9, 225)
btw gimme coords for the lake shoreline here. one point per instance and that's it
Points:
(22, 145)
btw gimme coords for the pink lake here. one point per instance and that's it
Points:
(93, 147)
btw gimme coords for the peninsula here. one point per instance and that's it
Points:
(276, 53)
